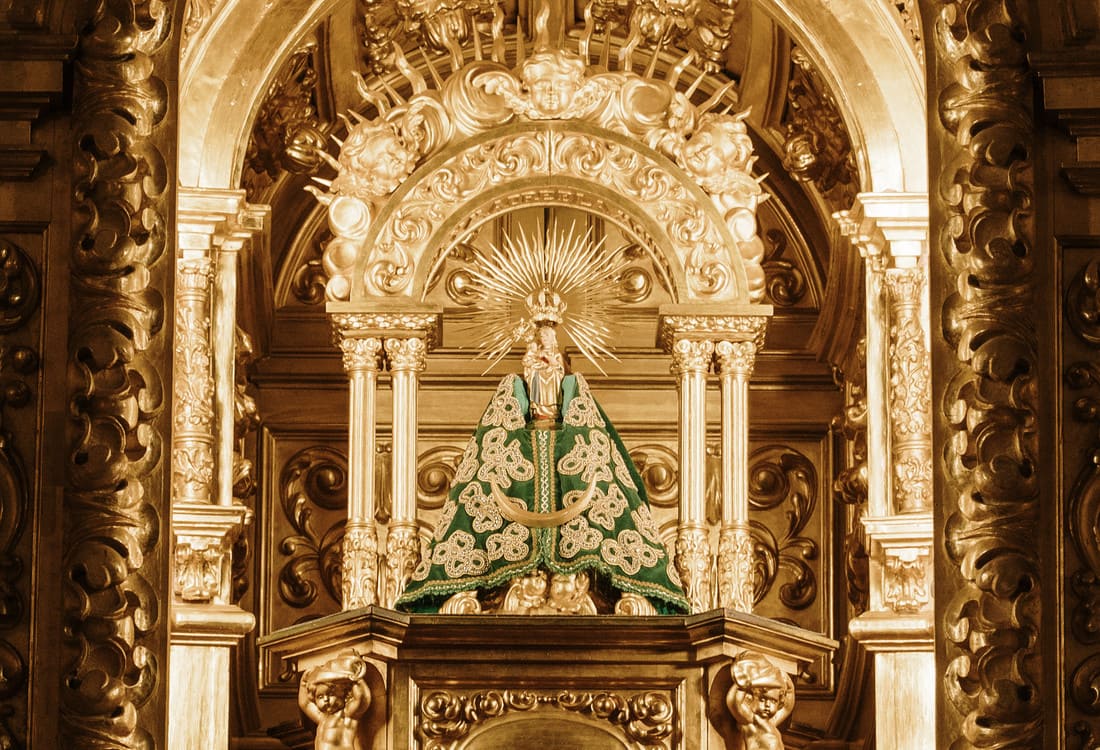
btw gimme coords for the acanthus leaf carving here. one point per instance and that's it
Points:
(991, 623)
(124, 123)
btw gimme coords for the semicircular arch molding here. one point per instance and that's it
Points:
(881, 96)
(561, 163)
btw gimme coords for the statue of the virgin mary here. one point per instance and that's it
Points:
(546, 513)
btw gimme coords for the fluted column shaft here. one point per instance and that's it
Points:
(224, 335)
(360, 561)
(735, 360)
(690, 363)
(407, 357)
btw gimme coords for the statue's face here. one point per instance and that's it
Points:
(768, 702)
(704, 153)
(377, 159)
(553, 92)
(330, 698)
(547, 338)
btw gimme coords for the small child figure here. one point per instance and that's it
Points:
(761, 698)
(335, 696)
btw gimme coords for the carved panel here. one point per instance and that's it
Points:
(20, 326)
(850, 485)
(646, 720)
(114, 557)
(988, 567)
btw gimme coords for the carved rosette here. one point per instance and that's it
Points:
(646, 720)
(693, 564)
(193, 385)
(983, 215)
(402, 557)
(910, 392)
(359, 566)
(115, 549)
(736, 568)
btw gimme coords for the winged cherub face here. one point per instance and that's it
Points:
(551, 80)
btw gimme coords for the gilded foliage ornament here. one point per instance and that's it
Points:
(991, 623)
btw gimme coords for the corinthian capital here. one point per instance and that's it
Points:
(737, 357)
(359, 353)
(407, 355)
(194, 273)
(691, 356)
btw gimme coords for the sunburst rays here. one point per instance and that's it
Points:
(569, 263)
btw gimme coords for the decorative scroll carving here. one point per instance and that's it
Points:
(691, 356)
(335, 696)
(761, 698)
(850, 484)
(193, 386)
(818, 149)
(315, 476)
(198, 571)
(447, 717)
(991, 622)
(736, 568)
(434, 472)
(907, 579)
(910, 392)
(785, 281)
(19, 287)
(287, 135)
(112, 691)
(781, 476)
(660, 471)
(310, 279)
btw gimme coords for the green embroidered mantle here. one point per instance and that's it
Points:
(478, 547)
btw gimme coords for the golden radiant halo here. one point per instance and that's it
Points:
(508, 283)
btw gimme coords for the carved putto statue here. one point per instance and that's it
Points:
(546, 513)
(335, 696)
(761, 698)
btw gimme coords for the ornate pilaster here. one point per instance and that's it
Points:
(213, 226)
(688, 333)
(891, 231)
(360, 562)
(735, 360)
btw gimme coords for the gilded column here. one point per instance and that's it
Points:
(407, 357)
(360, 561)
(193, 389)
(735, 361)
(910, 390)
(690, 363)
(224, 335)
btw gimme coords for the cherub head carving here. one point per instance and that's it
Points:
(719, 149)
(374, 160)
(551, 78)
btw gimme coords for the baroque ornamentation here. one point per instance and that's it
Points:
(817, 149)
(692, 179)
(196, 13)
(991, 622)
(315, 476)
(112, 689)
(425, 325)
(19, 287)
(647, 720)
(288, 135)
(407, 355)
(113, 550)
(735, 356)
(335, 696)
(693, 563)
(193, 386)
(850, 484)
(907, 579)
(402, 557)
(198, 570)
(780, 476)
(691, 356)
(360, 353)
(785, 281)
(359, 566)
(910, 392)
(715, 327)
(736, 568)
(760, 699)
(659, 468)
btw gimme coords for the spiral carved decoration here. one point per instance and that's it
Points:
(980, 80)
(315, 477)
(114, 551)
